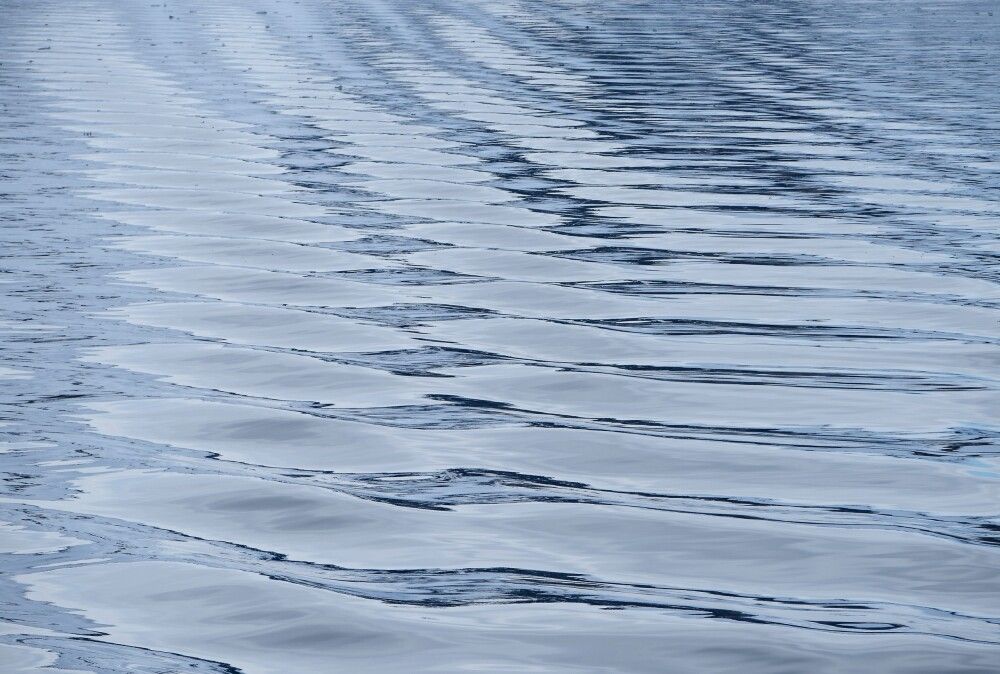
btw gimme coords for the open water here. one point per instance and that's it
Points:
(547, 336)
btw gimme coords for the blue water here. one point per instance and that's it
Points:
(499, 336)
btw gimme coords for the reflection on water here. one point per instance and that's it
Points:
(531, 335)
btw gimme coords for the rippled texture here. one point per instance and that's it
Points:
(534, 336)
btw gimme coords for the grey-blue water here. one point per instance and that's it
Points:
(499, 336)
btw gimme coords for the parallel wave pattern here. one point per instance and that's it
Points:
(530, 335)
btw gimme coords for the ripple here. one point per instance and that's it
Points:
(517, 336)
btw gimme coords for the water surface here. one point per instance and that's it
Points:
(534, 336)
